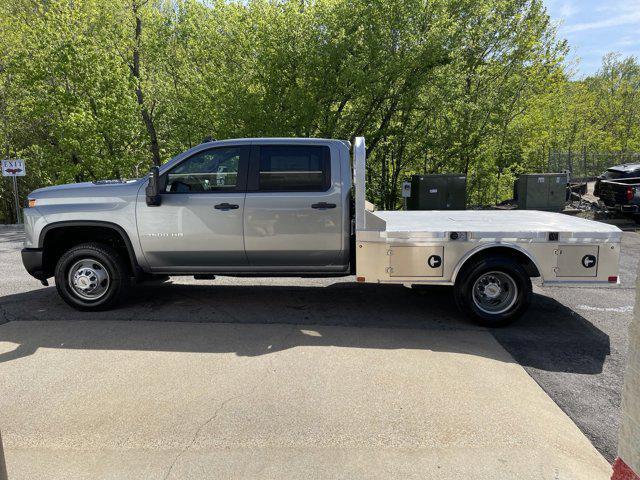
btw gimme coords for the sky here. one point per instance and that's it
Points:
(594, 28)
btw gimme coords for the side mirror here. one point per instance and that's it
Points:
(152, 191)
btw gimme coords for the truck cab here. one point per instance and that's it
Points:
(272, 205)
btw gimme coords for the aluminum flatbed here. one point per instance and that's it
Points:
(492, 224)
(471, 249)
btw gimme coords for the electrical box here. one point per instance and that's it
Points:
(541, 191)
(438, 192)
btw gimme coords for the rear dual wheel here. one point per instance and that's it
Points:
(493, 291)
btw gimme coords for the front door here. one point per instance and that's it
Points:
(198, 225)
(294, 207)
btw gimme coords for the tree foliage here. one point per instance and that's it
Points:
(94, 89)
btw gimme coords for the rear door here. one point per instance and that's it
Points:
(198, 225)
(293, 208)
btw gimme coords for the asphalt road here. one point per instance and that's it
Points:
(572, 342)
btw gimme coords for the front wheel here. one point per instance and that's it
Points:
(92, 276)
(493, 291)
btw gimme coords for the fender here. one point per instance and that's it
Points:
(480, 248)
(94, 223)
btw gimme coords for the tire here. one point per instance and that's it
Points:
(502, 291)
(92, 276)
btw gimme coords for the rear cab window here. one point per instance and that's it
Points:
(612, 174)
(292, 168)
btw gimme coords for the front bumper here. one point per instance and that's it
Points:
(32, 261)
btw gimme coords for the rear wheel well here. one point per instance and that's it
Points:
(502, 251)
(58, 240)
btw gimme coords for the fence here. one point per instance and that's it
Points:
(584, 165)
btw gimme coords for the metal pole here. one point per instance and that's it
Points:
(3, 465)
(17, 200)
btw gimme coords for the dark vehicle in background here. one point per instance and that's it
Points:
(619, 188)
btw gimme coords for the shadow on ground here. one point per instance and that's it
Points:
(550, 337)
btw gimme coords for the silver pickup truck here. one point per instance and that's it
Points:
(286, 207)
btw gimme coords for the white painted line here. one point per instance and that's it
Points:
(624, 309)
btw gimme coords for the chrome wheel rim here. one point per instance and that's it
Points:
(495, 292)
(88, 279)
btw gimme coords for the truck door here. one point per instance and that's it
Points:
(198, 224)
(294, 207)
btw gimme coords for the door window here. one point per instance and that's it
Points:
(294, 168)
(208, 171)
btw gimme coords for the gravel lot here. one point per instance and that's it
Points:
(572, 342)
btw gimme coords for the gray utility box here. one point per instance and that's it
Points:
(438, 192)
(541, 191)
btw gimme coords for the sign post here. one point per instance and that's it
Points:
(14, 168)
(406, 192)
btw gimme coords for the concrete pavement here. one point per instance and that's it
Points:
(149, 400)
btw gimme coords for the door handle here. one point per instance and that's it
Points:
(323, 205)
(226, 206)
